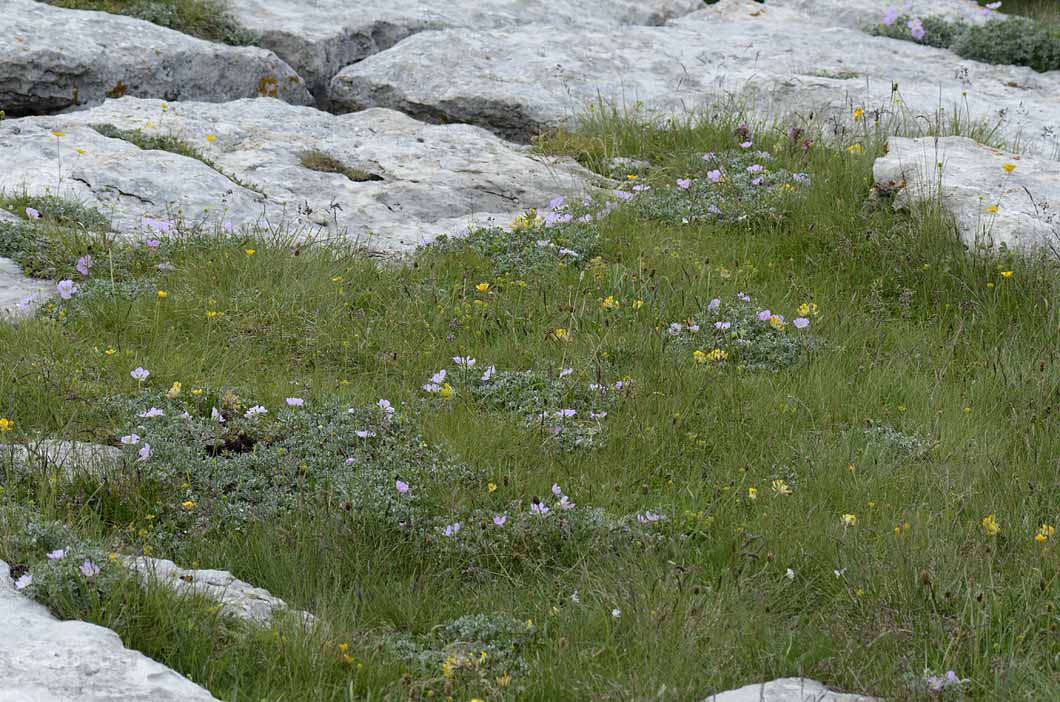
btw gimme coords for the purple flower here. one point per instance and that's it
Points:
(764, 315)
(746, 144)
(586, 218)
(295, 402)
(714, 175)
(32, 213)
(890, 16)
(675, 329)
(214, 414)
(539, 508)
(755, 168)
(152, 243)
(488, 373)
(684, 183)
(465, 361)
(709, 156)
(648, 517)
(565, 503)
(800, 322)
(25, 581)
(385, 406)
(255, 411)
(557, 490)
(557, 201)
(439, 377)
(130, 439)
(714, 304)
(66, 289)
(350, 461)
(500, 519)
(743, 297)
(452, 529)
(916, 28)
(229, 227)
(641, 188)
(597, 415)
(364, 433)
(145, 452)
(159, 225)
(722, 325)
(758, 181)
(151, 413)
(57, 554)
(402, 486)
(564, 372)
(623, 195)
(89, 569)
(84, 264)
(565, 413)
(140, 373)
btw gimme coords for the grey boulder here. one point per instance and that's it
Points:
(53, 58)
(992, 206)
(787, 690)
(19, 295)
(45, 660)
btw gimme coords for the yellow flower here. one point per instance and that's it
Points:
(1009, 167)
(637, 304)
(992, 209)
(699, 356)
(856, 149)
(561, 334)
(344, 647)
(446, 392)
(162, 294)
(187, 504)
(211, 137)
(777, 323)
(110, 351)
(990, 525)
(491, 487)
(58, 133)
(610, 303)
(631, 177)
(752, 493)
(901, 529)
(174, 390)
(482, 287)
(80, 152)
(336, 279)
(210, 314)
(717, 355)
(6, 424)
(781, 488)
(1044, 532)
(808, 309)
(249, 252)
(858, 114)
(1006, 274)
(849, 520)
(196, 391)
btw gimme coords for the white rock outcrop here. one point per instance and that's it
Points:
(53, 58)
(427, 179)
(787, 690)
(778, 62)
(45, 660)
(69, 457)
(993, 206)
(322, 37)
(19, 294)
(236, 597)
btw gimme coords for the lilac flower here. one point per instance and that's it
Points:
(743, 297)
(151, 413)
(557, 490)
(465, 361)
(648, 517)
(564, 372)
(597, 387)
(56, 555)
(890, 16)
(130, 439)
(801, 322)
(159, 225)
(713, 304)
(566, 413)
(350, 461)
(214, 414)
(84, 264)
(758, 181)
(140, 374)
(641, 188)
(755, 168)
(714, 176)
(709, 156)
(746, 144)
(402, 486)
(713, 209)
(364, 434)
(694, 328)
(565, 503)
(386, 407)
(89, 569)
(500, 519)
(452, 529)
(801, 177)
(255, 411)
(764, 315)
(675, 329)
(916, 28)
(539, 508)
(153, 243)
(229, 227)
(684, 183)
(295, 402)
(32, 213)
(586, 218)
(489, 373)
(558, 201)
(439, 377)
(722, 325)
(66, 289)
(623, 195)
(597, 415)
(619, 385)
(25, 581)
(145, 452)
(555, 431)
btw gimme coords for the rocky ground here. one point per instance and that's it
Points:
(377, 128)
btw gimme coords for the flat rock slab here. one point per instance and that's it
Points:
(45, 660)
(777, 62)
(69, 457)
(861, 14)
(787, 690)
(428, 179)
(974, 182)
(236, 597)
(53, 58)
(19, 295)
(321, 37)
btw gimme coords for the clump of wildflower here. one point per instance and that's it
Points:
(990, 525)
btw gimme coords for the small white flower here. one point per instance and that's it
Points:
(130, 439)
(616, 612)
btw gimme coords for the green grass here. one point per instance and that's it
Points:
(316, 160)
(205, 19)
(929, 401)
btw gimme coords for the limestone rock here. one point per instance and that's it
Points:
(320, 38)
(236, 597)
(787, 690)
(973, 179)
(70, 457)
(52, 58)
(19, 295)
(860, 14)
(45, 660)
(425, 179)
(776, 61)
